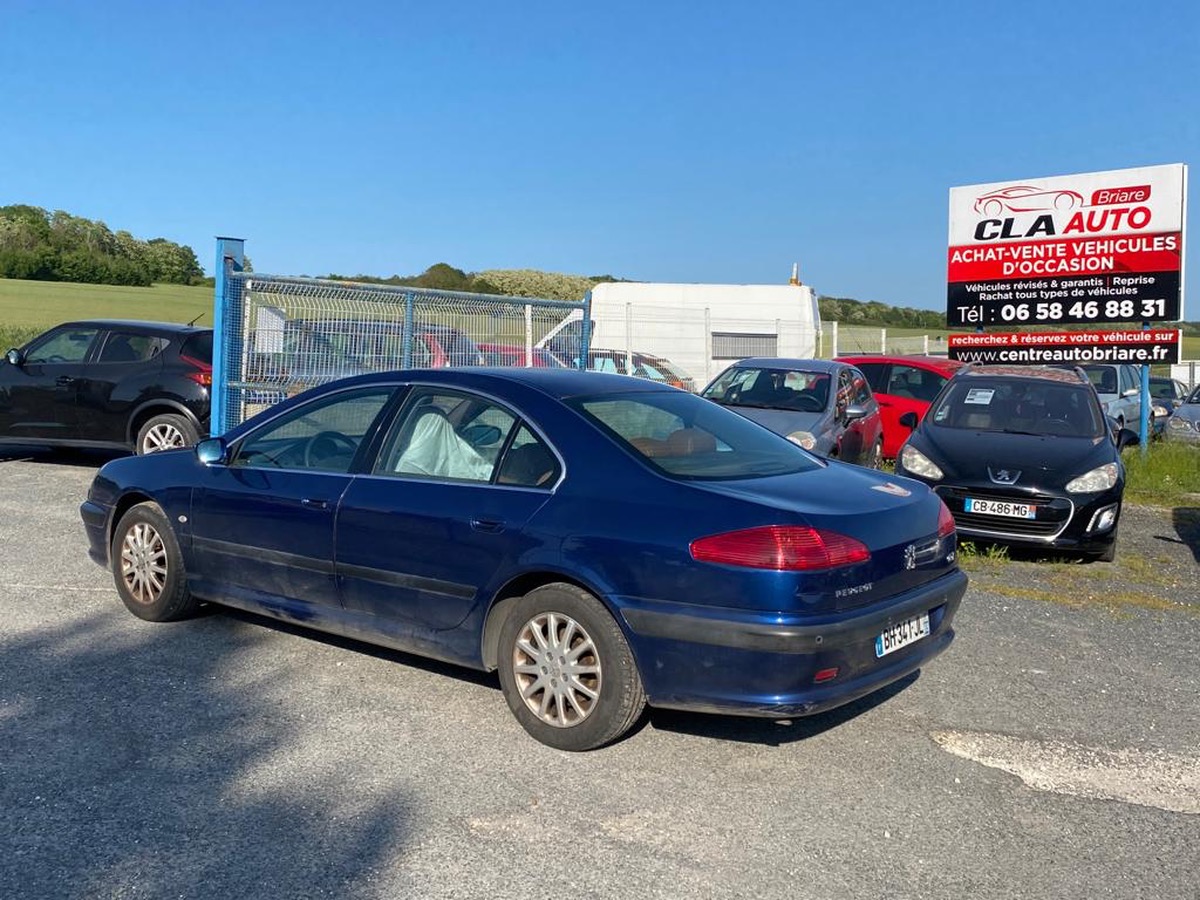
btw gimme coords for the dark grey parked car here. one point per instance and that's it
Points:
(826, 407)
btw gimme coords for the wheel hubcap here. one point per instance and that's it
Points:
(162, 437)
(143, 563)
(557, 669)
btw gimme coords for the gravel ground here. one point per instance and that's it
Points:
(1051, 752)
(1158, 554)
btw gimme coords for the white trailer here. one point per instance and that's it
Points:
(702, 328)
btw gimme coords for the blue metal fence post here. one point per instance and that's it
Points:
(1144, 402)
(230, 258)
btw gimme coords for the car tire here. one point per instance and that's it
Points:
(166, 431)
(560, 630)
(148, 567)
(1109, 553)
(874, 458)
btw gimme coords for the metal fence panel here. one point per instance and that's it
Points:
(277, 336)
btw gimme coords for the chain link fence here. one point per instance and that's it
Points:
(277, 336)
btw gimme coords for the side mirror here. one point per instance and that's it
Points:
(854, 412)
(213, 451)
(1126, 438)
(909, 420)
(14, 357)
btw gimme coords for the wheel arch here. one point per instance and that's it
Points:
(155, 407)
(125, 503)
(515, 589)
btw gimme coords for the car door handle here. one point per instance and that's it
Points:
(312, 503)
(490, 526)
(64, 380)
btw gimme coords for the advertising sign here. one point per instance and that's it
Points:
(1091, 248)
(1149, 347)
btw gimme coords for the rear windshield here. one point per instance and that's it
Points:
(686, 437)
(1019, 406)
(198, 346)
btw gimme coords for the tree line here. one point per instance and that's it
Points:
(56, 246)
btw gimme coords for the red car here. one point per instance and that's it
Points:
(902, 384)
(514, 355)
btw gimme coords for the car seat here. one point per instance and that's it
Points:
(529, 465)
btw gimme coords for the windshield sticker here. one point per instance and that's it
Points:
(981, 396)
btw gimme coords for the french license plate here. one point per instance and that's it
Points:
(1000, 508)
(902, 634)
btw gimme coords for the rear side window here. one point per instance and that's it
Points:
(198, 346)
(124, 347)
(686, 437)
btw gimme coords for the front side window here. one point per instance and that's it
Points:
(684, 436)
(70, 345)
(323, 434)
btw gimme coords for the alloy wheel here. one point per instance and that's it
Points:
(557, 669)
(143, 563)
(163, 436)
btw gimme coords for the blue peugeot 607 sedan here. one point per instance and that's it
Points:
(604, 542)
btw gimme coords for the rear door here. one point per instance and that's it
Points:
(422, 540)
(126, 363)
(39, 398)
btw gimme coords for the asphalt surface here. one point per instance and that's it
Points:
(1052, 752)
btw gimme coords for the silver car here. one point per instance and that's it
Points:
(826, 407)
(1183, 426)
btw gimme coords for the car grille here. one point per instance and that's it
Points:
(1053, 514)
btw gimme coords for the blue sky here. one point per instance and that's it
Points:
(661, 141)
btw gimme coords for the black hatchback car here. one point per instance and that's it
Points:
(1022, 455)
(141, 386)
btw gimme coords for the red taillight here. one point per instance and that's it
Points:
(824, 675)
(945, 521)
(781, 547)
(203, 373)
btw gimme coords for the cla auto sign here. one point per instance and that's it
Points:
(1099, 247)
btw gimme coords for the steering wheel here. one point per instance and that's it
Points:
(805, 403)
(1057, 423)
(733, 394)
(324, 444)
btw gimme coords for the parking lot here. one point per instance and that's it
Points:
(1051, 752)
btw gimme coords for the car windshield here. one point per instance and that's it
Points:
(1021, 406)
(685, 437)
(799, 390)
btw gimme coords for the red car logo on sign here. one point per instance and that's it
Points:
(1026, 198)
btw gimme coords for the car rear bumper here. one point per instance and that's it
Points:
(767, 665)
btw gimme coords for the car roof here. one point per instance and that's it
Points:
(558, 383)
(1041, 373)
(941, 363)
(785, 362)
(138, 324)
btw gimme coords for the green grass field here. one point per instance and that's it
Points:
(28, 308)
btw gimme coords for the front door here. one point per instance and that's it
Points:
(38, 398)
(263, 525)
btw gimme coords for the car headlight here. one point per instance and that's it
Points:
(919, 464)
(1160, 410)
(1175, 423)
(1099, 479)
(804, 438)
